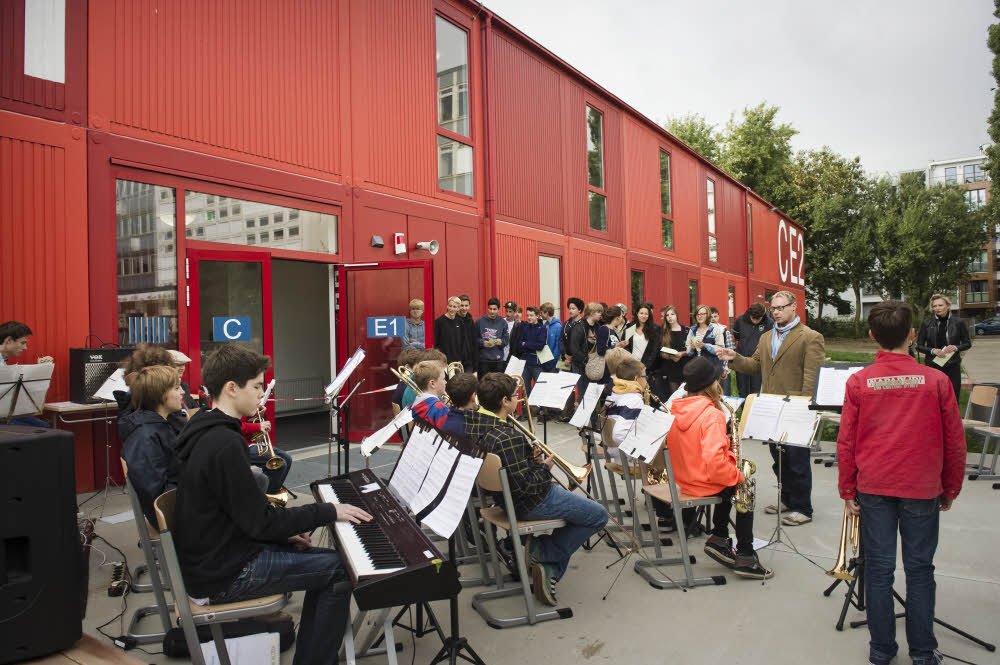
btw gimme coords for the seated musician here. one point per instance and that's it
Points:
(461, 390)
(232, 544)
(148, 438)
(407, 359)
(427, 355)
(534, 494)
(13, 342)
(429, 377)
(626, 400)
(705, 465)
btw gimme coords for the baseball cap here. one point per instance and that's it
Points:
(510, 304)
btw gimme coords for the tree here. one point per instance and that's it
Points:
(824, 193)
(927, 240)
(697, 132)
(758, 152)
(993, 151)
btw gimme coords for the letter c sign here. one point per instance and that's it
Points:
(231, 329)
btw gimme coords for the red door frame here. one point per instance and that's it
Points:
(342, 297)
(194, 257)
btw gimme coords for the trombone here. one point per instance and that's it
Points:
(850, 533)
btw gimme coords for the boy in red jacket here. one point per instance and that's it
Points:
(901, 455)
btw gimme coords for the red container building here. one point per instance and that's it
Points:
(181, 160)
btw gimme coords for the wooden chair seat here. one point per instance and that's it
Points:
(497, 516)
(969, 423)
(615, 467)
(210, 610)
(662, 493)
(988, 431)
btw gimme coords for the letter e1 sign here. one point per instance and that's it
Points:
(386, 326)
(231, 329)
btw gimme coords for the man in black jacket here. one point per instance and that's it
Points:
(944, 336)
(747, 330)
(232, 544)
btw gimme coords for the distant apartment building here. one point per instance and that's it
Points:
(979, 296)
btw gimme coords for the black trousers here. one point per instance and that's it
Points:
(743, 522)
(954, 372)
(796, 477)
(487, 366)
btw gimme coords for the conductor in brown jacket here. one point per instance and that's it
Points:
(788, 359)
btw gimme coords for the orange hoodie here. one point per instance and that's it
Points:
(699, 448)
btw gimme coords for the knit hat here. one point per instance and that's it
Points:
(700, 373)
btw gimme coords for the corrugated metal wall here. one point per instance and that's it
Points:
(527, 137)
(598, 273)
(250, 79)
(43, 224)
(730, 226)
(517, 269)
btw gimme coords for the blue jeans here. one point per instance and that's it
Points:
(325, 609)
(917, 522)
(583, 519)
(28, 421)
(530, 373)
(276, 477)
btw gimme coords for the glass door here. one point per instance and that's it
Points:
(373, 301)
(229, 301)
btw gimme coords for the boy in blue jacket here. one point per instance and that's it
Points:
(533, 339)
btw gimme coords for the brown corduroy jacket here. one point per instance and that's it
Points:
(793, 371)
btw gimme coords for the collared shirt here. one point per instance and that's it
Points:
(779, 336)
(529, 480)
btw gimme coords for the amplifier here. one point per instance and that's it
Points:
(90, 368)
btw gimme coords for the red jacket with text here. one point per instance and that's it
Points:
(901, 434)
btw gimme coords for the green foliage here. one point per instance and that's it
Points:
(992, 166)
(758, 151)
(697, 132)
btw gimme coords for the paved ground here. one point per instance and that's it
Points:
(982, 361)
(787, 621)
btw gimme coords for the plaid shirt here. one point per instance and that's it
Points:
(529, 480)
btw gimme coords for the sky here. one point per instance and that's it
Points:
(898, 83)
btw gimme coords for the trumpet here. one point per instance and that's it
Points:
(850, 532)
(263, 441)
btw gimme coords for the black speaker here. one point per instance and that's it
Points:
(90, 368)
(40, 565)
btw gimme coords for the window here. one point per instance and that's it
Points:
(454, 147)
(210, 215)
(667, 233)
(977, 291)
(666, 224)
(454, 166)
(146, 274)
(692, 297)
(210, 199)
(732, 303)
(750, 236)
(223, 212)
(980, 263)
(951, 175)
(713, 243)
(200, 231)
(319, 235)
(188, 233)
(638, 289)
(975, 198)
(236, 209)
(549, 278)
(973, 173)
(596, 193)
(293, 214)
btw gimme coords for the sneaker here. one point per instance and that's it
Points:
(936, 659)
(506, 553)
(721, 549)
(751, 568)
(795, 518)
(773, 509)
(544, 584)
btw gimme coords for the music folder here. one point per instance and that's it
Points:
(831, 381)
(785, 419)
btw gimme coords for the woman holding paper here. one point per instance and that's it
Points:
(942, 338)
(704, 336)
(672, 356)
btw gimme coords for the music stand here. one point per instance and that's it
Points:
(339, 408)
(23, 389)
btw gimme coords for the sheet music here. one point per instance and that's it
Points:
(338, 382)
(629, 333)
(646, 436)
(114, 382)
(797, 421)
(437, 476)
(941, 361)
(831, 383)
(444, 519)
(35, 383)
(413, 465)
(763, 417)
(581, 418)
(267, 393)
(544, 355)
(375, 441)
(515, 367)
(552, 389)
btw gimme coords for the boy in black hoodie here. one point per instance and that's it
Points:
(232, 544)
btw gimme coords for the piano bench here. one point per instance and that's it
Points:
(498, 517)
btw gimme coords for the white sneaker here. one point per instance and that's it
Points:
(773, 509)
(795, 518)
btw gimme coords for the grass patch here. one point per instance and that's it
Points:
(851, 356)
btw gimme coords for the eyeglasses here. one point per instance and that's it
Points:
(778, 308)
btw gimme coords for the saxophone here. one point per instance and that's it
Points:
(746, 491)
